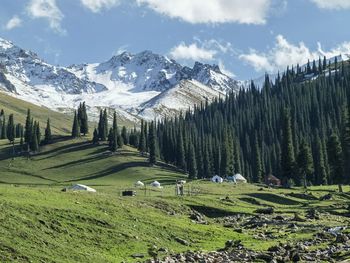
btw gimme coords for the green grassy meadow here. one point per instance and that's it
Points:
(40, 223)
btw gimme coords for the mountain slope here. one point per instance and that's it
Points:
(60, 123)
(187, 93)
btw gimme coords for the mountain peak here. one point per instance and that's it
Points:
(5, 44)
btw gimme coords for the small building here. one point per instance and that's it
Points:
(217, 179)
(156, 184)
(240, 179)
(79, 187)
(273, 180)
(139, 184)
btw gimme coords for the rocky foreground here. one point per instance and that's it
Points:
(326, 245)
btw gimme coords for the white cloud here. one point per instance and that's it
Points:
(192, 52)
(97, 6)
(332, 4)
(47, 9)
(212, 11)
(224, 70)
(13, 23)
(285, 54)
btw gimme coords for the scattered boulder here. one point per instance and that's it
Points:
(312, 214)
(138, 255)
(341, 238)
(197, 217)
(265, 210)
(326, 197)
(298, 218)
(182, 241)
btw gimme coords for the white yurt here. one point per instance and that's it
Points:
(81, 187)
(217, 179)
(155, 184)
(139, 184)
(239, 178)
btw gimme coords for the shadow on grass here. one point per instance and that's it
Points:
(274, 198)
(74, 147)
(213, 212)
(77, 162)
(110, 171)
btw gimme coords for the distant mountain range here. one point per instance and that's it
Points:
(145, 85)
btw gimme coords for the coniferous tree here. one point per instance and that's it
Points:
(257, 166)
(3, 128)
(335, 159)
(28, 128)
(48, 135)
(287, 155)
(84, 123)
(34, 144)
(320, 168)
(125, 135)
(10, 132)
(192, 165)
(38, 133)
(95, 137)
(152, 144)
(105, 125)
(75, 128)
(180, 152)
(305, 165)
(142, 141)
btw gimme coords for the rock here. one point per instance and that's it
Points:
(163, 250)
(298, 218)
(295, 257)
(264, 256)
(238, 230)
(341, 238)
(266, 211)
(326, 197)
(138, 255)
(181, 241)
(277, 249)
(279, 218)
(312, 214)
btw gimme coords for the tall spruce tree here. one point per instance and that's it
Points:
(257, 165)
(10, 132)
(34, 144)
(335, 158)
(152, 144)
(95, 137)
(287, 154)
(76, 127)
(84, 123)
(305, 166)
(192, 165)
(142, 141)
(3, 128)
(48, 135)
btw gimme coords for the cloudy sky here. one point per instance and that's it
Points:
(246, 38)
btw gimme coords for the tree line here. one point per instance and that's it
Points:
(296, 128)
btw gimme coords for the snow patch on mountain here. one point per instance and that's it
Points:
(181, 97)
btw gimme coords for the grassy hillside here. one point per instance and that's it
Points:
(60, 123)
(40, 223)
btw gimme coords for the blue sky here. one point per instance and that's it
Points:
(245, 37)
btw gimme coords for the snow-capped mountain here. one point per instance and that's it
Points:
(147, 85)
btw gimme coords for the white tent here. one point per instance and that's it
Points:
(239, 178)
(139, 184)
(217, 179)
(80, 187)
(156, 184)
